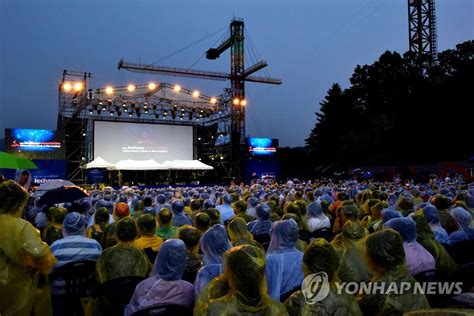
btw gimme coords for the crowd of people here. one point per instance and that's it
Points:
(239, 249)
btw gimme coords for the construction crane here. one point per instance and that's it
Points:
(422, 28)
(238, 74)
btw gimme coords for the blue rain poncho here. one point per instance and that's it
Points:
(432, 217)
(165, 285)
(262, 224)
(388, 214)
(214, 243)
(316, 218)
(463, 220)
(284, 270)
(179, 217)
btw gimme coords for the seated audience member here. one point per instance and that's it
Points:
(53, 231)
(214, 215)
(203, 222)
(239, 234)
(418, 259)
(123, 259)
(239, 208)
(316, 219)
(320, 257)
(443, 204)
(262, 224)
(190, 236)
(386, 258)
(225, 209)
(244, 277)
(165, 285)
(431, 215)
(121, 211)
(96, 231)
(405, 204)
(252, 203)
(463, 221)
(25, 257)
(179, 217)
(284, 262)
(165, 229)
(214, 243)
(148, 241)
(75, 246)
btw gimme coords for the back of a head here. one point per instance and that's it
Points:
(58, 214)
(284, 235)
(314, 210)
(147, 225)
(405, 226)
(406, 202)
(388, 214)
(214, 215)
(148, 201)
(171, 260)
(385, 249)
(164, 217)
(13, 198)
(203, 221)
(292, 208)
(342, 196)
(252, 202)
(239, 206)
(238, 229)
(227, 199)
(441, 202)
(122, 210)
(101, 216)
(353, 231)
(207, 204)
(320, 256)
(350, 212)
(189, 235)
(244, 268)
(177, 207)
(214, 242)
(126, 230)
(161, 199)
(195, 205)
(263, 211)
(431, 214)
(74, 224)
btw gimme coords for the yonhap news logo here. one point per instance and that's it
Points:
(316, 287)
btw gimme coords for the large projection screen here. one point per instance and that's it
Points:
(114, 141)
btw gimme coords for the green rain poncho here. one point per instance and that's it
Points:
(387, 257)
(425, 236)
(353, 264)
(244, 272)
(320, 257)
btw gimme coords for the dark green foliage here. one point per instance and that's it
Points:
(399, 110)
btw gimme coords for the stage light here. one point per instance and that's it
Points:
(199, 138)
(182, 110)
(222, 157)
(103, 108)
(67, 86)
(176, 88)
(124, 104)
(197, 119)
(100, 102)
(130, 114)
(91, 112)
(236, 101)
(84, 134)
(109, 90)
(151, 86)
(200, 115)
(111, 113)
(213, 100)
(78, 86)
(146, 111)
(181, 118)
(243, 102)
(145, 105)
(125, 110)
(131, 88)
(196, 94)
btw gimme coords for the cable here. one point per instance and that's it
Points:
(220, 39)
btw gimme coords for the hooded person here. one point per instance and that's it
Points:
(123, 259)
(239, 208)
(75, 246)
(320, 257)
(160, 203)
(225, 210)
(96, 231)
(386, 258)
(252, 203)
(262, 224)
(244, 272)
(417, 258)
(121, 211)
(284, 270)
(23, 178)
(165, 285)
(388, 214)
(24, 257)
(53, 231)
(431, 215)
(239, 234)
(463, 220)
(443, 205)
(179, 217)
(190, 236)
(352, 256)
(315, 217)
(214, 243)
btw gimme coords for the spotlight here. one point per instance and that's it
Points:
(130, 114)
(131, 88)
(91, 112)
(199, 138)
(124, 104)
(146, 111)
(236, 101)
(78, 86)
(100, 102)
(243, 102)
(176, 88)
(103, 108)
(111, 113)
(222, 157)
(125, 110)
(213, 100)
(195, 93)
(152, 86)
(67, 86)
(109, 90)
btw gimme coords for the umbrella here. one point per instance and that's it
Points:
(9, 161)
(53, 184)
(62, 195)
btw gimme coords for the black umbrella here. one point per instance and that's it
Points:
(62, 195)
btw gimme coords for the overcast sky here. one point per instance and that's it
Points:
(309, 44)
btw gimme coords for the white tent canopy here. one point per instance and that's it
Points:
(186, 165)
(99, 163)
(139, 165)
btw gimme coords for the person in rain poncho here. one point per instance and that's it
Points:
(388, 214)
(244, 274)
(101, 218)
(375, 221)
(386, 258)
(23, 257)
(179, 217)
(463, 220)
(320, 257)
(190, 236)
(23, 178)
(75, 246)
(239, 234)
(431, 215)
(109, 238)
(315, 217)
(214, 243)
(164, 286)
(284, 271)
(239, 208)
(252, 203)
(405, 204)
(418, 259)
(123, 259)
(53, 231)
(147, 229)
(225, 209)
(443, 204)
(262, 224)
(165, 229)
(353, 264)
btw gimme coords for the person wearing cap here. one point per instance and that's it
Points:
(75, 246)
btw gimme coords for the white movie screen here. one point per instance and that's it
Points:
(114, 141)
